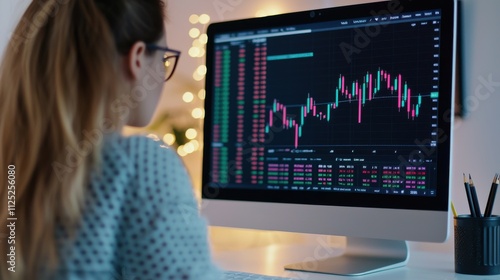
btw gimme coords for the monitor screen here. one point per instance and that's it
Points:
(335, 121)
(348, 106)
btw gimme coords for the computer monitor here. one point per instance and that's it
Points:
(335, 121)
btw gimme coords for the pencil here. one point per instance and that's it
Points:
(491, 196)
(474, 197)
(469, 198)
(453, 210)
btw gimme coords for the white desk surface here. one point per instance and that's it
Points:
(269, 260)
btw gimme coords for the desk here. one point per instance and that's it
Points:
(269, 260)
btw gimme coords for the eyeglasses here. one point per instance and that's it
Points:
(169, 59)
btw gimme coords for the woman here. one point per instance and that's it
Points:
(83, 201)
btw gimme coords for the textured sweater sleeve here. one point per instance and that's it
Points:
(163, 235)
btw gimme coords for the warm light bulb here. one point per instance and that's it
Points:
(188, 97)
(204, 19)
(196, 144)
(194, 52)
(202, 94)
(189, 148)
(181, 151)
(169, 139)
(191, 133)
(194, 19)
(202, 52)
(198, 44)
(198, 113)
(194, 33)
(202, 70)
(197, 77)
(203, 38)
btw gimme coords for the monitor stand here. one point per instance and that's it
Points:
(361, 256)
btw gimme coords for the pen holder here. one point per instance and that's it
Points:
(477, 245)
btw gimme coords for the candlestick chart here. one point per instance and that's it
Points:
(391, 88)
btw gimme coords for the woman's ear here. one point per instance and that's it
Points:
(135, 61)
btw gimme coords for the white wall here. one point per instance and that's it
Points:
(10, 12)
(5, 23)
(477, 136)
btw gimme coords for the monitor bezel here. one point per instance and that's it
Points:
(439, 202)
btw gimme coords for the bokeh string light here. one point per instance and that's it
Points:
(196, 52)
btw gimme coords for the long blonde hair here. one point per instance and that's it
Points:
(58, 78)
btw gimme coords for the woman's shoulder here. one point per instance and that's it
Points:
(137, 145)
(152, 165)
(140, 151)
